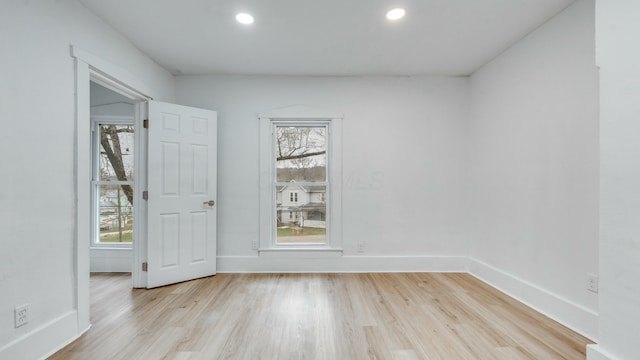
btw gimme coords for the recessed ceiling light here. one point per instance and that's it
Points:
(395, 14)
(244, 18)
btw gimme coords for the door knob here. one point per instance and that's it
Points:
(210, 203)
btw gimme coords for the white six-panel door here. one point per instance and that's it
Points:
(182, 170)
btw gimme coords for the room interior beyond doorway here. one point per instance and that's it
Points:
(113, 146)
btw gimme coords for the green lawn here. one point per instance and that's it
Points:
(126, 238)
(305, 231)
(112, 235)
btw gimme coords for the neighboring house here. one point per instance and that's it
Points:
(301, 205)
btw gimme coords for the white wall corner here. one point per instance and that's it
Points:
(574, 316)
(38, 343)
(595, 352)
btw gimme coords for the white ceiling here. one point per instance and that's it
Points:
(324, 37)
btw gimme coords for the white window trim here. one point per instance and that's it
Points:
(305, 116)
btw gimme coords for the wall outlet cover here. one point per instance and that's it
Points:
(21, 315)
(592, 283)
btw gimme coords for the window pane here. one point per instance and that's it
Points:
(115, 214)
(302, 214)
(301, 153)
(116, 152)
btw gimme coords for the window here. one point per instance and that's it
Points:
(112, 182)
(300, 183)
(300, 166)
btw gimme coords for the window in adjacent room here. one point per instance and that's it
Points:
(112, 182)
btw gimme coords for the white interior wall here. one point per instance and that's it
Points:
(618, 55)
(403, 169)
(37, 108)
(533, 164)
(405, 158)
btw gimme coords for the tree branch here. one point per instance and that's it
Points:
(114, 154)
(301, 156)
(124, 130)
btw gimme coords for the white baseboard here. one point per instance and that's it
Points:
(273, 263)
(574, 316)
(595, 352)
(38, 343)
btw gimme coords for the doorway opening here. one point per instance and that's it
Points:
(113, 170)
(199, 235)
(129, 92)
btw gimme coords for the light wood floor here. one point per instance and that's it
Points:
(317, 316)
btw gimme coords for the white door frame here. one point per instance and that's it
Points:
(89, 68)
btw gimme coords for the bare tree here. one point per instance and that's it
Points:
(299, 143)
(110, 141)
(300, 153)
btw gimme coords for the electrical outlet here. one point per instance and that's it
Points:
(361, 246)
(592, 282)
(21, 315)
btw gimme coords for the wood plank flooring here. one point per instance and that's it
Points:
(317, 316)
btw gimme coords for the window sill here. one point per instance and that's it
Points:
(301, 252)
(110, 247)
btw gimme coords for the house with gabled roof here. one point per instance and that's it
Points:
(301, 205)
